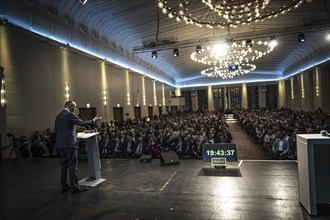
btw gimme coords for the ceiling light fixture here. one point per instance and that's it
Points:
(328, 36)
(199, 49)
(83, 1)
(175, 52)
(233, 67)
(154, 55)
(301, 37)
(3, 21)
(273, 41)
(228, 73)
(248, 43)
(236, 52)
(224, 13)
(236, 61)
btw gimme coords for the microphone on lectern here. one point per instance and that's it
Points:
(324, 133)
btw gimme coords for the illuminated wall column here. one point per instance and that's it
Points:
(163, 98)
(210, 98)
(262, 96)
(281, 93)
(67, 91)
(104, 87)
(317, 90)
(3, 59)
(227, 97)
(303, 105)
(128, 96)
(144, 110)
(66, 74)
(194, 100)
(244, 96)
(292, 92)
(155, 96)
(178, 93)
(3, 100)
(169, 100)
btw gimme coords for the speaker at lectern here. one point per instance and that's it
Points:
(93, 156)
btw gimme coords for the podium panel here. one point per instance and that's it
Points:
(94, 162)
(313, 154)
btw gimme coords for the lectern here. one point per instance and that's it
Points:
(93, 156)
(313, 154)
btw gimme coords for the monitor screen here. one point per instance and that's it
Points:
(225, 150)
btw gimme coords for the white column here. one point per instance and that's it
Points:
(244, 97)
(163, 98)
(210, 99)
(281, 93)
(129, 105)
(144, 110)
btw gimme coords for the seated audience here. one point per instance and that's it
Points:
(291, 122)
(280, 147)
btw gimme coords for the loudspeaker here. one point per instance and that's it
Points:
(167, 158)
(145, 158)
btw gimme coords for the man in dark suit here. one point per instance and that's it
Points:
(280, 147)
(128, 147)
(139, 148)
(66, 143)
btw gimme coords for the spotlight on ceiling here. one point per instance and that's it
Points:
(83, 1)
(3, 21)
(301, 37)
(273, 41)
(199, 49)
(233, 67)
(175, 52)
(154, 55)
(328, 36)
(248, 43)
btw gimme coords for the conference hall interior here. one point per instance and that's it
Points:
(210, 109)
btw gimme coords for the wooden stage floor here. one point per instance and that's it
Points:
(133, 190)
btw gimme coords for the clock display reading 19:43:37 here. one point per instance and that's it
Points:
(220, 152)
(226, 150)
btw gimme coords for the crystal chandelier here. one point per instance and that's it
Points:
(226, 73)
(222, 13)
(221, 57)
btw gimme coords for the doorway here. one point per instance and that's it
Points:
(150, 111)
(118, 114)
(137, 112)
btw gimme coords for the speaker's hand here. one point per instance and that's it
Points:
(97, 118)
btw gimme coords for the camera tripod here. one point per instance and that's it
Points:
(14, 149)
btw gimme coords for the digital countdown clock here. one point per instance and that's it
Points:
(224, 150)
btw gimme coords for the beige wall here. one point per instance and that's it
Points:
(310, 89)
(35, 76)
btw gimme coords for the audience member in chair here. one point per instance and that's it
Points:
(211, 139)
(140, 148)
(128, 146)
(280, 147)
(117, 148)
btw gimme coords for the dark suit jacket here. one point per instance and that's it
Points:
(65, 129)
(143, 149)
(276, 145)
(125, 144)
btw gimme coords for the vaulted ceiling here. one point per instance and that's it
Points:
(125, 32)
